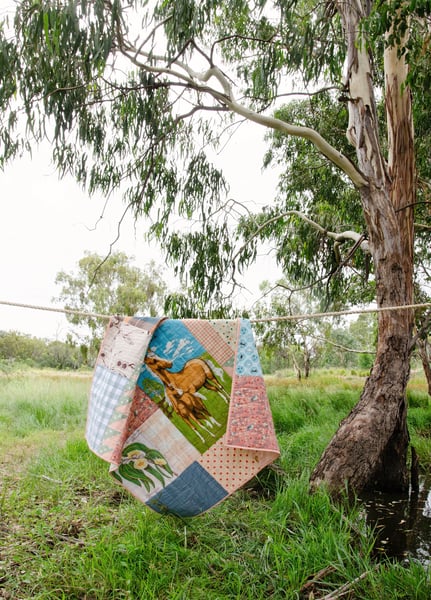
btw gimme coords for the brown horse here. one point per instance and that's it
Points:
(182, 388)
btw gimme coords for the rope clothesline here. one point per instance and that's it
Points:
(69, 311)
(340, 313)
(297, 317)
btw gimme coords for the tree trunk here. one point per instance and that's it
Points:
(370, 447)
(371, 444)
(296, 367)
(307, 361)
(423, 349)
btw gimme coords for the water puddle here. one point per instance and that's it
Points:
(402, 523)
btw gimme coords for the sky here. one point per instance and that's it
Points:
(47, 224)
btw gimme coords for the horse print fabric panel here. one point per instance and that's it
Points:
(179, 410)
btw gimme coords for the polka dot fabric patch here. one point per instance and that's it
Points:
(233, 467)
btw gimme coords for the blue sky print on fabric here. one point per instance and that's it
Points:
(174, 342)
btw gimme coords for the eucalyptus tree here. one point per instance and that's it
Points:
(328, 263)
(130, 95)
(108, 286)
(296, 343)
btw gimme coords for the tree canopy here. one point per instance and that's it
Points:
(108, 286)
(134, 97)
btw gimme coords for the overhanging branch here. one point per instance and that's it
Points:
(337, 237)
(180, 70)
(341, 347)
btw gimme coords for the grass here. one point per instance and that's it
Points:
(67, 531)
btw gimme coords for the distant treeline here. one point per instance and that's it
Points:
(282, 353)
(17, 347)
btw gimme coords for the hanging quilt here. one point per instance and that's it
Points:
(179, 410)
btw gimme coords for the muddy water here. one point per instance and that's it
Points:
(402, 523)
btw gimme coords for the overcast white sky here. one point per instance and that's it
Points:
(47, 224)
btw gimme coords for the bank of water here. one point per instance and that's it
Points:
(402, 523)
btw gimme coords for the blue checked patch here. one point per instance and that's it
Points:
(107, 389)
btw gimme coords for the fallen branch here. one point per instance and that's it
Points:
(69, 539)
(49, 479)
(346, 588)
(309, 586)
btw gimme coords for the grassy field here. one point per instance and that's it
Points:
(67, 531)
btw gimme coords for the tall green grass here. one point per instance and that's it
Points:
(37, 401)
(69, 532)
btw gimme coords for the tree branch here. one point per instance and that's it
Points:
(422, 226)
(424, 328)
(341, 347)
(338, 237)
(411, 205)
(198, 80)
(335, 156)
(347, 587)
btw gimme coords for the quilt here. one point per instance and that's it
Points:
(179, 410)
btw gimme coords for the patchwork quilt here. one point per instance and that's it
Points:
(179, 410)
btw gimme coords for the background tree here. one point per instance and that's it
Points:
(18, 348)
(125, 93)
(301, 344)
(109, 286)
(15, 346)
(422, 342)
(364, 332)
(348, 344)
(294, 343)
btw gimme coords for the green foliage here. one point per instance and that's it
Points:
(129, 127)
(185, 305)
(20, 348)
(16, 346)
(302, 344)
(109, 286)
(293, 342)
(393, 20)
(310, 188)
(116, 88)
